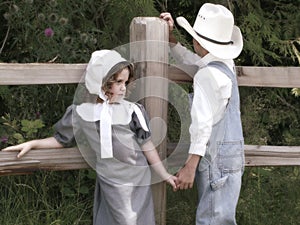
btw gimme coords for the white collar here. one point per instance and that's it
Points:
(108, 115)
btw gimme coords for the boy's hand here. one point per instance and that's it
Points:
(186, 175)
(167, 17)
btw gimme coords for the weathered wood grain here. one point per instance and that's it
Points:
(41, 159)
(40, 73)
(35, 73)
(71, 158)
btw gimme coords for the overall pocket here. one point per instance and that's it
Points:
(230, 156)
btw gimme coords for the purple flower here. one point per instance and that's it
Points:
(49, 32)
(3, 139)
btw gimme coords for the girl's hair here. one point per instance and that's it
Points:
(112, 75)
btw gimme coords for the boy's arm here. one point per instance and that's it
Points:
(181, 54)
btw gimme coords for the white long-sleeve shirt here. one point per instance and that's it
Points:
(210, 98)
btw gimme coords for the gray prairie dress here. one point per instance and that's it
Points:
(122, 192)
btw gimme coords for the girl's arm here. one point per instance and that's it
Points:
(156, 163)
(25, 147)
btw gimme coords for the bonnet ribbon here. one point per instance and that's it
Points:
(105, 130)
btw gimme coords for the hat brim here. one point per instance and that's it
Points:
(230, 51)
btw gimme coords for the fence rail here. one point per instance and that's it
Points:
(71, 158)
(47, 73)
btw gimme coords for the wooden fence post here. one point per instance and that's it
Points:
(149, 50)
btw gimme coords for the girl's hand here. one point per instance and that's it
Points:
(23, 148)
(172, 181)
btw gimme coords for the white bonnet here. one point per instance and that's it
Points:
(100, 64)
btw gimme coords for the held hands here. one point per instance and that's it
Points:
(185, 178)
(186, 175)
(172, 181)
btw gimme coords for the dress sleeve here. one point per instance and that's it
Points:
(135, 125)
(64, 129)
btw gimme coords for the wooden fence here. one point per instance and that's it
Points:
(141, 29)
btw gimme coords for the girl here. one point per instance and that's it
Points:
(113, 136)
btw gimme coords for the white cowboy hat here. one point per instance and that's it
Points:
(214, 29)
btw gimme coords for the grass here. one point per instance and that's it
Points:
(45, 198)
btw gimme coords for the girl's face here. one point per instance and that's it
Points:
(117, 90)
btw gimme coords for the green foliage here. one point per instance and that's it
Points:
(269, 196)
(65, 31)
(178, 113)
(270, 116)
(118, 17)
(47, 102)
(270, 29)
(181, 206)
(29, 112)
(31, 127)
(296, 92)
(69, 40)
(20, 131)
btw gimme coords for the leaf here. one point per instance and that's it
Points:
(19, 137)
(68, 191)
(83, 190)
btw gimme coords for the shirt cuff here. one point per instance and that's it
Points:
(197, 149)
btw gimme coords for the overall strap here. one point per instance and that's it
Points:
(218, 131)
(222, 67)
(233, 118)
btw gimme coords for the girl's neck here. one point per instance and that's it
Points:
(99, 100)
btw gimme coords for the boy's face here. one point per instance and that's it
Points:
(118, 88)
(199, 49)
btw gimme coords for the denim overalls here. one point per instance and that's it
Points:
(219, 173)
